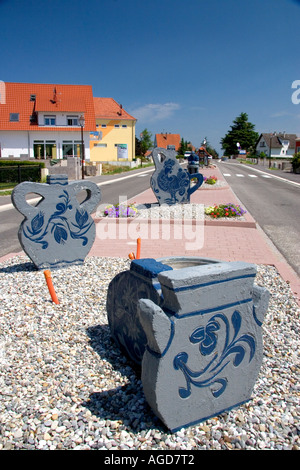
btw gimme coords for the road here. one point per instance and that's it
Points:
(126, 184)
(272, 198)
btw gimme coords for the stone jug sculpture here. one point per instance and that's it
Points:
(59, 230)
(202, 335)
(171, 183)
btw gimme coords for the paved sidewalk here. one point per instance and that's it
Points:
(229, 240)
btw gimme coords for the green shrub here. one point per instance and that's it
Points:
(296, 161)
(21, 162)
(12, 171)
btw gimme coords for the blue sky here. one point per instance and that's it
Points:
(188, 67)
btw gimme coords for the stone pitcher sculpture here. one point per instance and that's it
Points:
(171, 183)
(59, 230)
(201, 334)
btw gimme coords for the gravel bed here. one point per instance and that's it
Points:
(65, 385)
(218, 185)
(191, 211)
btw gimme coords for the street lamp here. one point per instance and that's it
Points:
(81, 123)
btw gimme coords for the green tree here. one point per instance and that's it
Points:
(296, 162)
(145, 142)
(242, 132)
(184, 147)
(138, 149)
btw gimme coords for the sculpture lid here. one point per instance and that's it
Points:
(57, 179)
(148, 267)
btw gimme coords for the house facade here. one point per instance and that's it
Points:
(40, 121)
(167, 141)
(114, 138)
(279, 146)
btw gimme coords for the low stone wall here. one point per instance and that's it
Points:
(71, 167)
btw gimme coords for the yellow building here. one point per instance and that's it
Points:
(114, 139)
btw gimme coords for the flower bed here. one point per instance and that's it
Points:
(210, 180)
(120, 210)
(225, 210)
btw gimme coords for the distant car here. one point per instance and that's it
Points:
(186, 155)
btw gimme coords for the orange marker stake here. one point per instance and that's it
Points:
(138, 248)
(48, 278)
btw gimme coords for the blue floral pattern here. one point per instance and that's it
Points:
(59, 225)
(174, 182)
(232, 351)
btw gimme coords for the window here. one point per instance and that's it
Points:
(67, 148)
(44, 149)
(14, 117)
(103, 125)
(262, 143)
(124, 125)
(50, 120)
(39, 149)
(32, 97)
(71, 149)
(72, 121)
(117, 126)
(51, 149)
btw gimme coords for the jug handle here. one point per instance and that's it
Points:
(19, 193)
(200, 179)
(155, 155)
(93, 194)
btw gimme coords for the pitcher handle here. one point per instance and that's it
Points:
(200, 179)
(155, 155)
(93, 194)
(19, 193)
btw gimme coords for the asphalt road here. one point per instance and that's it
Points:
(126, 185)
(272, 197)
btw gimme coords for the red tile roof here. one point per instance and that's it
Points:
(48, 98)
(108, 108)
(165, 139)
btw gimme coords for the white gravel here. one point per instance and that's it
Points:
(65, 385)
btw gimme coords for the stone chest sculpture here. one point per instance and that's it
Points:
(59, 230)
(170, 183)
(196, 323)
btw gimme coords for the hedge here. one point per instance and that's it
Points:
(12, 171)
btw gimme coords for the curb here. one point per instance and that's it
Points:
(219, 223)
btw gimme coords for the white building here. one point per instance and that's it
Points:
(280, 146)
(44, 121)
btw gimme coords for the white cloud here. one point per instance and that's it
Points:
(281, 114)
(154, 112)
